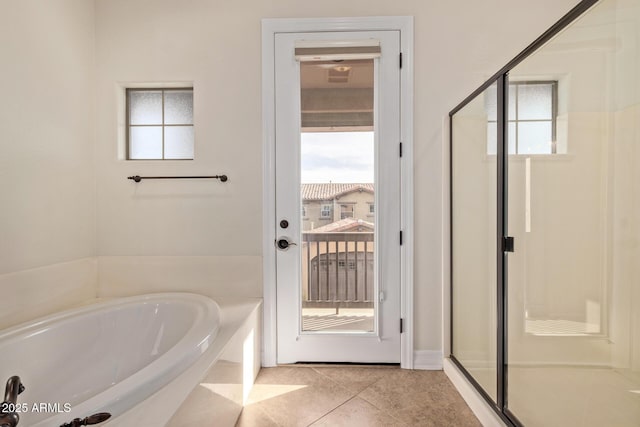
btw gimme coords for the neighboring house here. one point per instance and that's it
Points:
(323, 204)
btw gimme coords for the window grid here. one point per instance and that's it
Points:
(517, 121)
(162, 125)
(513, 89)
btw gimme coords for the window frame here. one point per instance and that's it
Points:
(163, 125)
(344, 210)
(554, 114)
(329, 211)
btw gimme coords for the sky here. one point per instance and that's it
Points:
(338, 157)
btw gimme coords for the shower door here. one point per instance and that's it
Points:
(545, 227)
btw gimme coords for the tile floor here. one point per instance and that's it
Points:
(329, 395)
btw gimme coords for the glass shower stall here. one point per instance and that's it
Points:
(545, 226)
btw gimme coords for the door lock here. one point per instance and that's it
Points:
(283, 243)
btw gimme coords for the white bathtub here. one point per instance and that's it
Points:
(109, 357)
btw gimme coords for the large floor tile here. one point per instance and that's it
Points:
(252, 416)
(440, 414)
(355, 379)
(420, 398)
(402, 389)
(367, 396)
(358, 413)
(296, 396)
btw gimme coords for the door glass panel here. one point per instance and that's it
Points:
(338, 257)
(573, 279)
(474, 183)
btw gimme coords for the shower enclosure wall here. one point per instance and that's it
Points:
(545, 226)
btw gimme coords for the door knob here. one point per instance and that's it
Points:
(283, 243)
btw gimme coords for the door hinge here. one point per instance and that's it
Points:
(508, 244)
(401, 149)
(400, 237)
(401, 325)
(400, 59)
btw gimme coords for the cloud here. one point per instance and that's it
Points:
(337, 157)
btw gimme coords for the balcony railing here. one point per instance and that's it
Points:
(338, 270)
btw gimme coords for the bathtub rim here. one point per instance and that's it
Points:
(149, 378)
(98, 303)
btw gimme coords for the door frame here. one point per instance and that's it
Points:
(270, 27)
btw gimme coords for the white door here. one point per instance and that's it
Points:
(337, 115)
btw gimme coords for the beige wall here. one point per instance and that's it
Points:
(216, 45)
(47, 179)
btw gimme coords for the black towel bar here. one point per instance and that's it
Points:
(138, 178)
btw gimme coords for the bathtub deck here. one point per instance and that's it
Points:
(219, 397)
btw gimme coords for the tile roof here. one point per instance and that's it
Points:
(330, 191)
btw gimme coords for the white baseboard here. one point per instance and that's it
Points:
(428, 360)
(480, 408)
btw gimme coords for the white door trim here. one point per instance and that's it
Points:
(286, 25)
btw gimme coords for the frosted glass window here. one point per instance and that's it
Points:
(145, 142)
(178, 107)
(492, 138)
(534, 102)
(534, 138)
(178, 142)
(160, 124)
(145, 107)
(531, 114)
(512, 102)
(511, 138)
(491, 104)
